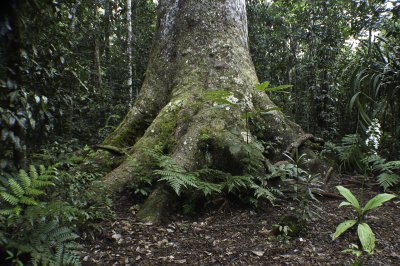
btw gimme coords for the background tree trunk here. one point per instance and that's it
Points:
(200, 46)
(129, 50)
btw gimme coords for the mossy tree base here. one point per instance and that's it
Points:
(200, 46)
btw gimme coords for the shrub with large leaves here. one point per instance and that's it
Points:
(364, 232)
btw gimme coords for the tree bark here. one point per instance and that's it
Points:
(107, 15)
(200, 46)
(129, 50)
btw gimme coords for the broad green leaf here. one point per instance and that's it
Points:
(353, 100)
(350, 197)
(377, 201)
(344, 203)
(280, 88)
(218, 96)
(367, 237)
(342, 227)
(262, 86)
(265, 87)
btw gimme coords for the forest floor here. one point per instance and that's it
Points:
(240, 236)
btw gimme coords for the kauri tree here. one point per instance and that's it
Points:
(201, 55)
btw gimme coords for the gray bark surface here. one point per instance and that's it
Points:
(200, 46)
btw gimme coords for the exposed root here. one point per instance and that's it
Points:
(294, 146)
(111, 149)
(157, 206)
(328, 176)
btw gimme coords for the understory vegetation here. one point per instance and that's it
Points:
(333, 67)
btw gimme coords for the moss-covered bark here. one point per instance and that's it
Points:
(201, 46)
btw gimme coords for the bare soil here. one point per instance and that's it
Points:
(242, 236)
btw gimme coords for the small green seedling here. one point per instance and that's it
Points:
(364, 232)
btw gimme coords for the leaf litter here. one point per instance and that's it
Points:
(240, 236)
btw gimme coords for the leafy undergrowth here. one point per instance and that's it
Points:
(237, 236)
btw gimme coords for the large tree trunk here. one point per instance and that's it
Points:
(200, 46)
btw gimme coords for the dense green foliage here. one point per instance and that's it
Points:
(63, 71)
(30, 225)
(44, 211)
(330, 51)
(63, 82)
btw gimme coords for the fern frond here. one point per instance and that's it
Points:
(44, 229)
(16, 188)
(28, 201)
(25, 179)
(238, 182)
(34, 192)
(264, 192)
(375, 162)
(387, 180)
(177, 180)
(33, 172)
(62, 234)
(10, 199)
(6, 212)
(391, 166)
(41, 183)
(208, 188)
(59, 254)
(350, 151)
(42, 170)
(50, 244)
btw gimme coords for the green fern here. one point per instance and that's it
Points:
(25, 188)
(63, 211)
(53, 245)
(238, 183)
(351, 152)
(177, 180)
(264, 192)
(16, 188)
(387, 180)
(209, 188)
(388, 172)
(257, 184)
(9, 198)
(24, 214)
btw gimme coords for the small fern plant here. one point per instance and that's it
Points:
(176, 177)
(179, 179)
(47, 243)
(18, 193)
(388, 172)
(364, 231)
(28, 226)
(351, 151)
